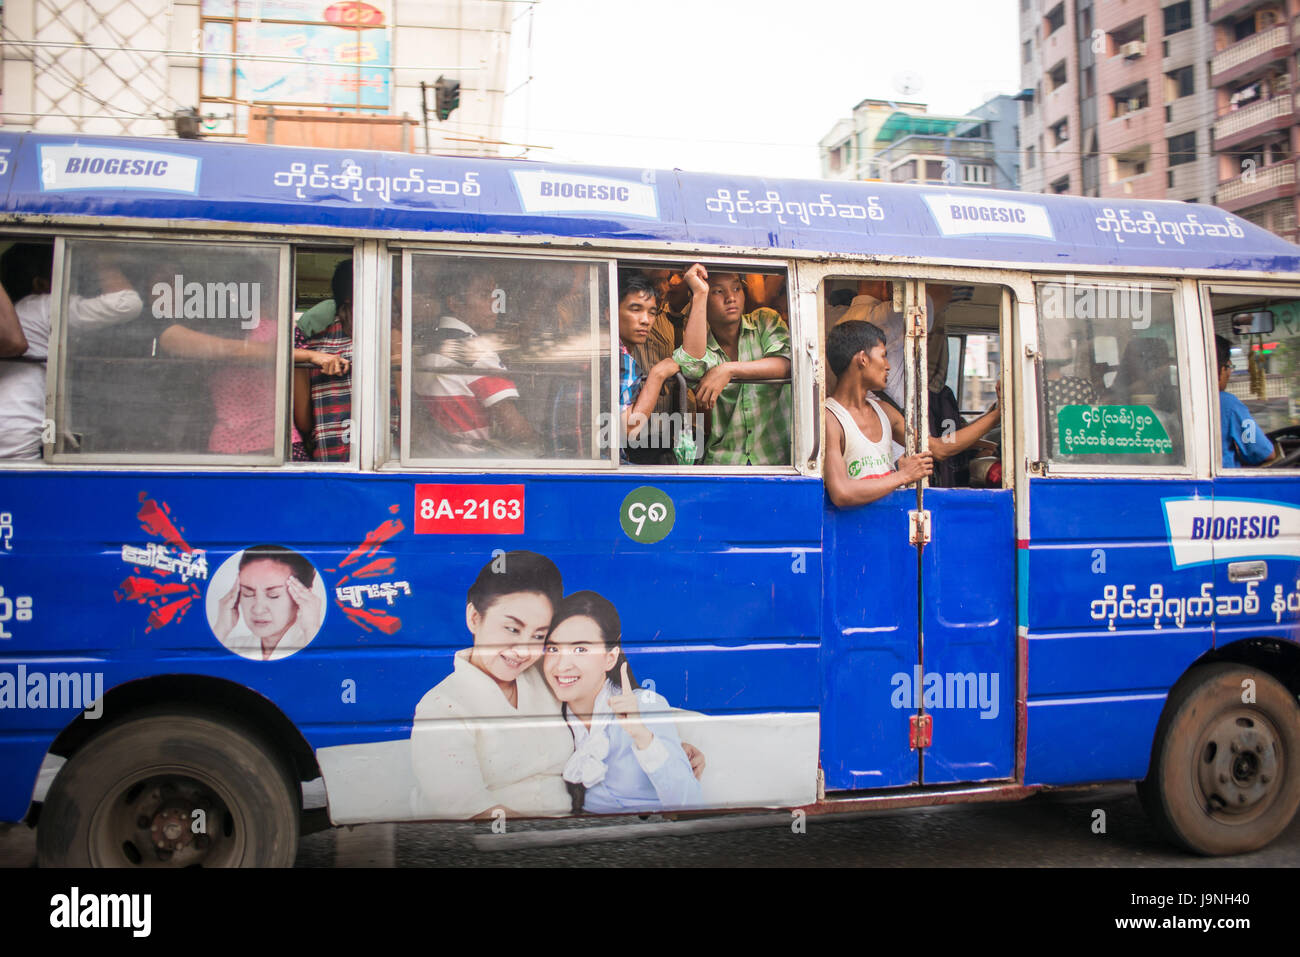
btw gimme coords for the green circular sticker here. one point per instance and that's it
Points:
(647, 515)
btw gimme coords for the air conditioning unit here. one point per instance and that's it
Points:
(1133, 49)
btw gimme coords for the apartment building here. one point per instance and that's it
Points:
(1117, 98)
(905, 143)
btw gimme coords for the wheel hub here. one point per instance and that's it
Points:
(1239, 765)
(165, 820)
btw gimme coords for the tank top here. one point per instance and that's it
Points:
(865, 459)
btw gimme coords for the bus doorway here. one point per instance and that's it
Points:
(919, 664)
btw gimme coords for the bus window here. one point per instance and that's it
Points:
(1099, 411)
(1259, 383)
(322, 338)
(504, 359)
(748, 423)
(171, 350)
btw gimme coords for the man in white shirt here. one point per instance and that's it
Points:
(25, 269)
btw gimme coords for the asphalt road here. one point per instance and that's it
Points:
(1047, 830)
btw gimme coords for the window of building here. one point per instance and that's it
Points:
(1178, 17)
(1129, 164)
(1029, 51)
(975, 174)
(1130, 99)
(904, 172)
(1029, 157)
(1130, 40)
(1055, 18)
(1061, 185)
(1182, 149)
(1089, 82)
(1060, 132)
(934, 170)
(1056, 77)
(1244, 28)
(1180, 83)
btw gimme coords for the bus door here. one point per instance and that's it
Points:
(920, 584)
(964, 682)
(1255, 530)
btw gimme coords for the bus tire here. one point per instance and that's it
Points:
(1225, 772)
(177, 789)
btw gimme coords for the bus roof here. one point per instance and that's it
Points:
(63, 175)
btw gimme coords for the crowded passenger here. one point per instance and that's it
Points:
(461, 380)
(26, 271)
(861, 432)
(638, 389)
(322, 399)
(725, 348)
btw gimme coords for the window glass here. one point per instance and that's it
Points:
(505, 359)
(1262, 381)
(1109, 387)
(172, 349)
(322, 375)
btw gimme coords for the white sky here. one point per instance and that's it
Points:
(740, 86)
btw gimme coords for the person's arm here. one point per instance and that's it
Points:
(637, 415)
(946, 446)
(177, 340)
(774, 340)
(13, 342)
(1253, 446)
(116, 302)
(695, 337)
(664, 760)
(848, 493)
(302, 411)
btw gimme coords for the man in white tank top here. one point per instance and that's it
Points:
(860, 431)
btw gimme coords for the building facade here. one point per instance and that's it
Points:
(312, 70)
(1188, 100)
(905, 143)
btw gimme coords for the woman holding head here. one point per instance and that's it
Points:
(620, 761)
(488, 735)
(271, 611)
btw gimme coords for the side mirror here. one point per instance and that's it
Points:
(1248, 323)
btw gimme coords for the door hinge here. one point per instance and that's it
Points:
(1036, 468)
(920, 731)
(920, 526)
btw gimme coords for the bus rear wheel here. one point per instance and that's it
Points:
(171, 790)
(1225, 769)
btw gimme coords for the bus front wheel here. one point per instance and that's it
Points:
(171, 790)
(1225, 769)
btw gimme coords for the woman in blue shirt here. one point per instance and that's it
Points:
(627, 755)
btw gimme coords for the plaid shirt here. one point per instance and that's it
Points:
(751, 423)
(630, 378)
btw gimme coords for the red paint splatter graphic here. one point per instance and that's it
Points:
(373, 540)
(137, 589)
(380, 566)
(155, 519)
(370, 620)
(162, 616)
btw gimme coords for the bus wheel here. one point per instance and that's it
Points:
(171, 790)
(1225, 772)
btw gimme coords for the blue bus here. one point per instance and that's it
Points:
(349, 468)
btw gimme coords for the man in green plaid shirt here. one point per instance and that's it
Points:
(723, 347)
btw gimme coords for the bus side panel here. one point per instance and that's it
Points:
(1112, 623)
(968, 610)
(721, 617)
(871, 616)
(1270, 606)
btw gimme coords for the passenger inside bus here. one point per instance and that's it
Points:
(26, 272)
(471, 403)
(638, 388)
(722, 347)
(322, 398)
(1244, 442)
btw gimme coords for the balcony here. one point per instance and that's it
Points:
(957, 147)
(1244, 55)
(1238, 126)
(1222, 9)
(1257, 186)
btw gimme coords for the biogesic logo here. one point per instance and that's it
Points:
(179, 299)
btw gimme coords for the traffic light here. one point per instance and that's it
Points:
(446, 96)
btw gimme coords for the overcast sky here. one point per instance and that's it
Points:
(741, 86)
